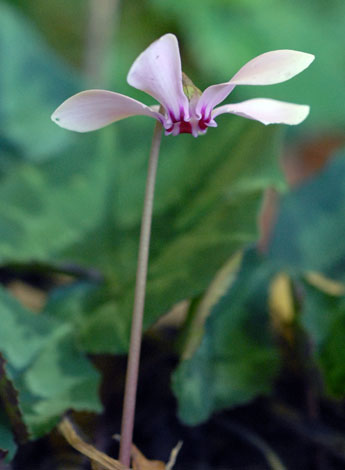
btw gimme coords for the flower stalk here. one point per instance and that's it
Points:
(139, 303)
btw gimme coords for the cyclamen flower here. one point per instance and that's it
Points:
(157, 71)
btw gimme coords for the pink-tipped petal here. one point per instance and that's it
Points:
(157, 71)
(267, 111)
(212, 96)
(272, 67)
(92, 109)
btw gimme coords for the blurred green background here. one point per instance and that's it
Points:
(71, 203)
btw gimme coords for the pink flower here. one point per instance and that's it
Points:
(157, 71)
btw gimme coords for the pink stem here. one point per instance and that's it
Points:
(139, 302)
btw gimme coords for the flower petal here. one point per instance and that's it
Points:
(93, 109)
(212, 96)
(272, 67)
(266, 69)
(157, 71)
(267, 111)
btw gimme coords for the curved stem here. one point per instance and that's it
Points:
(139, 301)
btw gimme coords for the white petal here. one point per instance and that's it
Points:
(93, 109)
(267, 111)
(266, 69)
(272, 67)
(212, 96)
(157, 71)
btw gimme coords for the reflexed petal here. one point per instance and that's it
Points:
(93, 109)
(272, 67)
(266, 69)
(212, 96)
(267, 111)
(157, 71)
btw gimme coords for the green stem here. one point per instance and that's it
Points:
(139, 301)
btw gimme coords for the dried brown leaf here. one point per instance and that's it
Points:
(140, 462)
(173, 456)
(99, 460)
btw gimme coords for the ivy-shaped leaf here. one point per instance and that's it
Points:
(237, 359)
(45, 368)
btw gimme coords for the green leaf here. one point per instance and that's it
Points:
(323, 317)
(33, 82)
(48, 207)
(207, 202)
(311, 226)
(59, 379)
(236, 361)
(94, 312)
(43, 364)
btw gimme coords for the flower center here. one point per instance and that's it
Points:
(188, 121)
(194, 125)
